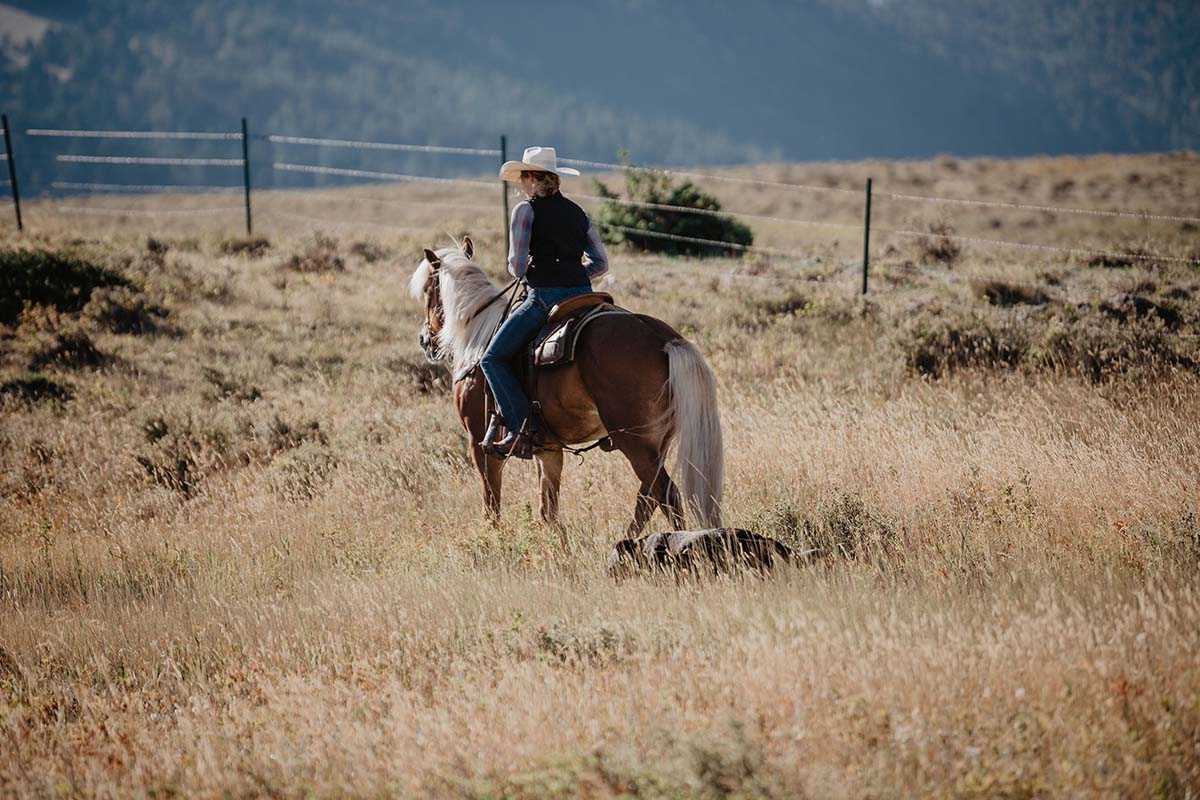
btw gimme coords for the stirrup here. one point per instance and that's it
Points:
(520, 444)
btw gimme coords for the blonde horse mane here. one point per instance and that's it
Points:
(470, 315)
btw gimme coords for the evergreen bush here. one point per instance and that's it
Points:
(652, 187)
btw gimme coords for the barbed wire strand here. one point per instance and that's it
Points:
(1080, 251)
(709, 176)
(364, 173)
(342, 223)
(360, 145)
(86, 134)
(712, 213)
(143, 212)
(1035, 207)
(398, 203)
(182, 162)
(745, 248)
(198, 188)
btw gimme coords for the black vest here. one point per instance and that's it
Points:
(556, 243)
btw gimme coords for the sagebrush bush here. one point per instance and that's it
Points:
(36, 388)
(321, 255)
(1082, 340)
(368, 251)
(1005, 293)
(248, 246)
(940, 345)
(43, 277)
(69, 345)
(647, 186)
(937, 246)
(123, 310)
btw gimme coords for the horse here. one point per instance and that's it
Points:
(635, 380)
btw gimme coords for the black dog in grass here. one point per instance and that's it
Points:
(711, 552)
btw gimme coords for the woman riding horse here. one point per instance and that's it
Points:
(550, 237)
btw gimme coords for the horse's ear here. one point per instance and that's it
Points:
(432, 258)
(468, 247)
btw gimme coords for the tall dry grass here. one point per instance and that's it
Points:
(246, 556)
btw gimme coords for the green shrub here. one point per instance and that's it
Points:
(41, 277)
(648, 186)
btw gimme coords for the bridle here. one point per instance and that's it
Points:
(440, 311)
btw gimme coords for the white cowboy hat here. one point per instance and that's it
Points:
(535, 159)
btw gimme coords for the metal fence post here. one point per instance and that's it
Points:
(246, 174)
(12, 170)
(867, 237)
(504, 191)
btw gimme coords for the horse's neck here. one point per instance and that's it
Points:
(478, 317)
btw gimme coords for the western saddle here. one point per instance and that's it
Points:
(554, 346)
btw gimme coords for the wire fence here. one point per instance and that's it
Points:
(407, 148)
(358, 175)
(317, 169)
(1095, 212)
(178, 135)
(144, 188)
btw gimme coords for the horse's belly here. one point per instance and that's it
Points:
(567, 407)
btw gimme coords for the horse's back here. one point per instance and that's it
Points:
(616, 380)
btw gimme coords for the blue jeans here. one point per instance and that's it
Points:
(516, 332)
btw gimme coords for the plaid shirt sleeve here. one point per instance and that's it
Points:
(597, 258)
(521, 228)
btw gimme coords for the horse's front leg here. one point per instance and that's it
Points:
(490, 472)
(470, 400)
(550, 464)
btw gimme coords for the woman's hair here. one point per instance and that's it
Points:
(544, 183)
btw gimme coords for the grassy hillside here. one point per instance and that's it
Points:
(241, 549)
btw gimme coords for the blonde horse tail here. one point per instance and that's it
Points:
(701, 452)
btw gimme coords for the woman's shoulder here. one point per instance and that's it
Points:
(522, 210)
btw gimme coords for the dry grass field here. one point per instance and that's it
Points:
(242, 554)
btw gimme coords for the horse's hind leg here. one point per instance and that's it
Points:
(550, 464)
(657, 489)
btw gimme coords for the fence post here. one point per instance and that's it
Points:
(12, 170)
(246, 174)
(504, 191)
(867, 237)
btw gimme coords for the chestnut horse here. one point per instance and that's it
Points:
(634, 379)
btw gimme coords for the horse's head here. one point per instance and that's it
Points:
(426, 286)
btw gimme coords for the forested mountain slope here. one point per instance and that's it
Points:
(672, 81)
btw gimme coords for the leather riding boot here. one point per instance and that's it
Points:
(488, 445)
